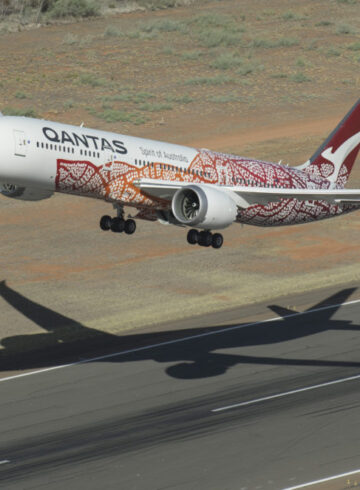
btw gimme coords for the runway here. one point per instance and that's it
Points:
(265, 405)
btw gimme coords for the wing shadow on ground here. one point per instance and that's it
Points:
(188, 359)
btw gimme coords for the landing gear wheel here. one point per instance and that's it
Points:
(205, 238)
(130, 226)
(217, 240)
(193, 237)
(117, 225)
(105, 223)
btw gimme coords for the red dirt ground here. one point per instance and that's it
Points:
(54, 253)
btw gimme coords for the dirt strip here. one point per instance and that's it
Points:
(341, 483)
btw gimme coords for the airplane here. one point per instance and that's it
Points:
(173, 184)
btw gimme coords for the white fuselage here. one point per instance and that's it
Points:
(30, 149)
(57, 157)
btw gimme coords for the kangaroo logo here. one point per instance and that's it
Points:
(338, 156)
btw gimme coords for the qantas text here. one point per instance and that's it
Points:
(76, 140)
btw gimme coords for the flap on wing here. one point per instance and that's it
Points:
(163, 189)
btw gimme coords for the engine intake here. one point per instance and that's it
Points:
(204, 207)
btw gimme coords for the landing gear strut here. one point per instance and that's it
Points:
(205, 238)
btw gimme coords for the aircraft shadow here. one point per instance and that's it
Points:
(66, 340)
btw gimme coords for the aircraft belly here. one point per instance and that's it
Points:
(289, 212)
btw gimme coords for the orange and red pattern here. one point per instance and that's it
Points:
(114, 183)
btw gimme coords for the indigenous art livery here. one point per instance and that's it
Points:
(197, 188)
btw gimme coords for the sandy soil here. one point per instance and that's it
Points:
(54, 253)
(342, 483)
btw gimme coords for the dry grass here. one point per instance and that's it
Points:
(124, 73)
(213, 54)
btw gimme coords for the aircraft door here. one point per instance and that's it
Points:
(222, 171)
(109, 160)
(20, 143)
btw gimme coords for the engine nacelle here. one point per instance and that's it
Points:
(24, 193)
(204, 207)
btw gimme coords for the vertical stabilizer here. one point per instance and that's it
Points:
(335, 158)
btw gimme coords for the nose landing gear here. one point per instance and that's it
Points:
(205, 238)
(117, 225)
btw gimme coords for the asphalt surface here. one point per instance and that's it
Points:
(145, 419)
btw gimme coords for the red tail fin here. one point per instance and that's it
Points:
(335, 158)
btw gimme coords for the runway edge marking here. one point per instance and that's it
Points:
(323, 480)
(286, 393)
(170, 342)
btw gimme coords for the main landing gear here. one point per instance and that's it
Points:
(118, 225)
(205, 238)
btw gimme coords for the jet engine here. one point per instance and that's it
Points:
(24, 193)
(203, 207)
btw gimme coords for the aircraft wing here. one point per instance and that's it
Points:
(248, 196)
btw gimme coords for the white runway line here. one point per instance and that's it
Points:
(287, 393)
(171, 342)
(323, 480)
(4, 461)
